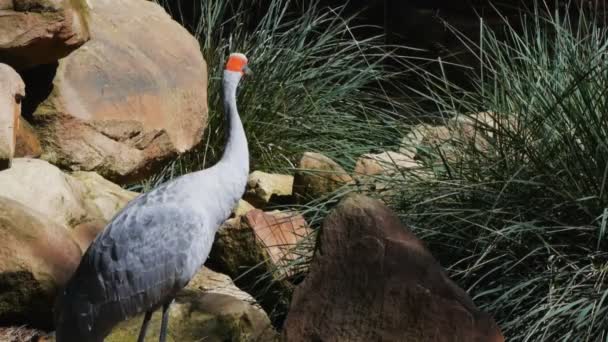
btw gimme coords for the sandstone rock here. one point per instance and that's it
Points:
(446, 143)
(103, 198)
(242, 208)
(34, 32)
(84, 233)
(263, 188)
(278, 233)
(132, 97)
(383, 163)
(36, 257)
(262, 239)
(373, 280)
(211, 308)
(12, 89)
(43, 187)
(21, 334)
(65, 199)
(318, 175)
(28, 144)
(256, 249)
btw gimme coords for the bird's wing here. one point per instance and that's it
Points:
(140, 260)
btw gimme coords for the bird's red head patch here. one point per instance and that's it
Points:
(237, 62)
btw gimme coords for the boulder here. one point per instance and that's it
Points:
(102, 198)
(385, 163)
(211, 308)
(28, 143)
(278, 233)
(264, 240)
(43, 187)
(21, 334)
(131, 98)
(242, 208)
(446, 143)
(258, 250)
(12, 90)
(318, 175)
(37, 256)
(34, 32)
(85, 232)
(371, 279)
(263, 188)
(67, 200)
(376, 173)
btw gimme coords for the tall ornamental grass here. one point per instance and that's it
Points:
(518, 212)
(316, 86)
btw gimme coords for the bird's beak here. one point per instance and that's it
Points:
(247, 71)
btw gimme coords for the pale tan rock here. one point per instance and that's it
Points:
(84, 233)
(448, 143)
(242, 208)
(12, 89)
(318, 175)
(21, 333)
(262, 187)
(128, 100)
(67, 200)
(211, 308)
(35, 32)
(37, 256)
(383, 163)
(28, 143)
(41, 186)
(103, 198)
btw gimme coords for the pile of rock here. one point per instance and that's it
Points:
(91, 95)
(116, 94)
(118, 104)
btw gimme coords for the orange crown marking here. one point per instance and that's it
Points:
(236, 62)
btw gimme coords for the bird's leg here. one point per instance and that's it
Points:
(165, 321)
(144, 326)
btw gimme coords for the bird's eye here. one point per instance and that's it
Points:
(18, 98)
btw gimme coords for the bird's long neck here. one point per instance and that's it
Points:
(236, 152)
(215, 191)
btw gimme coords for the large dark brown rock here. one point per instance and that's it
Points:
(371, 279)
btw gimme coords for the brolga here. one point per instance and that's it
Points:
(154, 246)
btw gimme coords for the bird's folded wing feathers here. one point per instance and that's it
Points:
(139, 259)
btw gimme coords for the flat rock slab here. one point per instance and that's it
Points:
(130, 98)
(371, 279)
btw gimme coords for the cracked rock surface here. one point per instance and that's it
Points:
(129, 99)
(35, 32)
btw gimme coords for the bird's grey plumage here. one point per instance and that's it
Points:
(154, 246)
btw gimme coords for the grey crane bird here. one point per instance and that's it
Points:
(154, 246)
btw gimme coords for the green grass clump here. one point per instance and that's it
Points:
(520, 220)
(315, 86)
